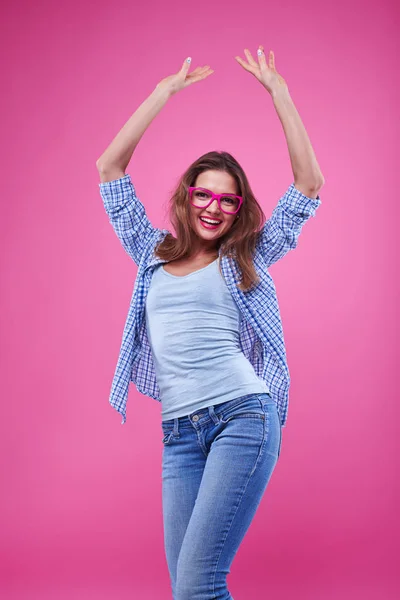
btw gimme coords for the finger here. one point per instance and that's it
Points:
(186, 65)
(199, 70)
(261, 57)
(250, 57)
(199, 77)
(245, 65)
(271, 59)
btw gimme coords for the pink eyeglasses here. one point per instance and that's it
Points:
(202, 198)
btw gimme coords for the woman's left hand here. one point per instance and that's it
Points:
(265, 73)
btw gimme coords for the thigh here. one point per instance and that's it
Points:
(183, 464)
(240, 463)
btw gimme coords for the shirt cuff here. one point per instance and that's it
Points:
(299, 206)
(115, 193)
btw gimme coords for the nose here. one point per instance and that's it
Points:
(213, 208)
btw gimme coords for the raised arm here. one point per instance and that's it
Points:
(126, 213)
(113, 162)
(281, 232)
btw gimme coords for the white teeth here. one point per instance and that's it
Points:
(209, 221)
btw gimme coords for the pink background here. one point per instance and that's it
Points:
(81, 494)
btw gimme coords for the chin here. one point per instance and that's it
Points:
(210, 234)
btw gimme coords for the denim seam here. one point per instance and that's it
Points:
(199, 435)
(261, 451)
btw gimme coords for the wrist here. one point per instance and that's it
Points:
(163, 90)
(280, 95)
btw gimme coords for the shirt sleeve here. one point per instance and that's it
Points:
(281, 232)
(127, 216)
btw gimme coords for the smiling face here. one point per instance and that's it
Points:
(218, 182)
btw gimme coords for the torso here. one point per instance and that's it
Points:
(182, 267)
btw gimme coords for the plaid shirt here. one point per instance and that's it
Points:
(261, 333)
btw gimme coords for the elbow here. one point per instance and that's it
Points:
(320, 182)
(104, 165)
(108, 172)
(99, 165)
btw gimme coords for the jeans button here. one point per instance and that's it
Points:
(195, 418)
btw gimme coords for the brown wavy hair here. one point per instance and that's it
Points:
(239, 242)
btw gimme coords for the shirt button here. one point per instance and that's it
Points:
(195, 418)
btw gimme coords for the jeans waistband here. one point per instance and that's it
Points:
(212, 412)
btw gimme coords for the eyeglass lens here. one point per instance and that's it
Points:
(229, 203)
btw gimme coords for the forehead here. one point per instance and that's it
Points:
(216, 181)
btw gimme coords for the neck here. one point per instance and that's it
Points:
(204, 250)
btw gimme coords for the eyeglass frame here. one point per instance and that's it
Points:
(217, 196)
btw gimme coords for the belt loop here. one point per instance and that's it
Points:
(213, 415)
(176, 426)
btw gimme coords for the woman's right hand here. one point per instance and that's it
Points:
(178, 81)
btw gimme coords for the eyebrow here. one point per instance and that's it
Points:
(209, 190)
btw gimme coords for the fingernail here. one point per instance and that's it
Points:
(188, 59)
(259, 52)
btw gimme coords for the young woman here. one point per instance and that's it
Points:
(203, 333)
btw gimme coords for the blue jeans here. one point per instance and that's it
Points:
(216, 465)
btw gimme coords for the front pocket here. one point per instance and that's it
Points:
(249, 431)
(249, 408)
(239, 415)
